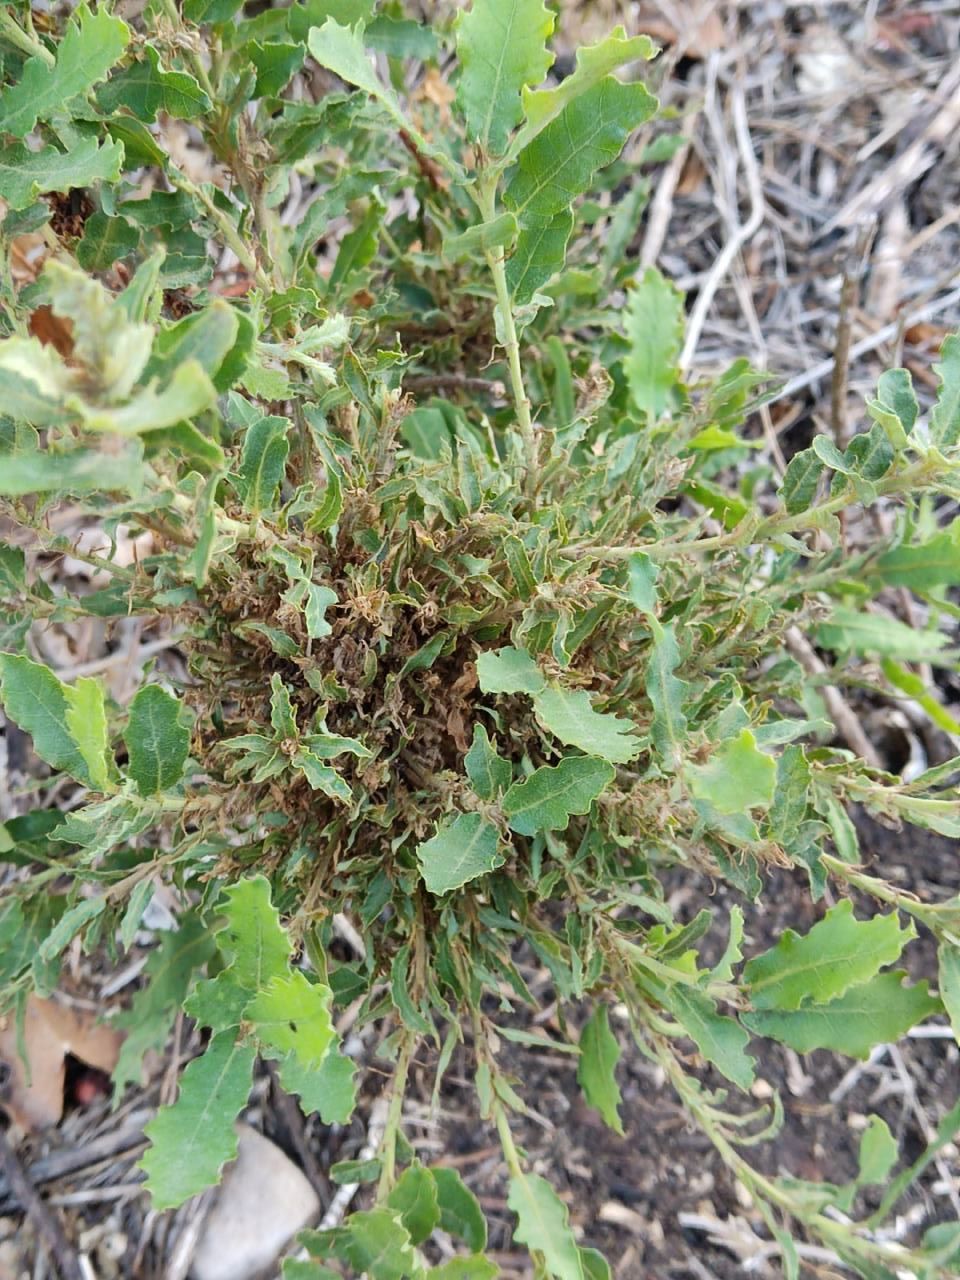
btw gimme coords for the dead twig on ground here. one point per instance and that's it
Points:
(46, 1222)
(743, 231)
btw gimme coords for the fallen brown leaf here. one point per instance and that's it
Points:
(51, 1031)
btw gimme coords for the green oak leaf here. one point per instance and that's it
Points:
(876, 1012)
(292, 1015)
(90, 46)
(599, 1055)
(569, 715)
(488, 772)
(39, 703)
(838, 953)
(461, 851)
(194, 1138)
(158, 740)
(502, 46)
(144, 88)
(588, 134)
(738, 776)
(543, 1224)
(553, 794)
(509, 670)
(654, 329)
(263, 462)
(26, 174)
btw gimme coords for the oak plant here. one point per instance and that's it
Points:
(483, 607)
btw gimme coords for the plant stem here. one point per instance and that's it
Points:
(511, 343)
(14, 34)
(398, 1090)
(231, 236)
(510, 1153)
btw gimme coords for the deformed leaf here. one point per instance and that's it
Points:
(322, 777)
(599, 1054)
(188, 393)
(553, 794)
(158, 740)
(461, 851)
(876, 1012)
(838, 953)
(569, 715)
(195, 1137)
(666, 693)
(502, 46)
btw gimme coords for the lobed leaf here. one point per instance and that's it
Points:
(543, 1224)
(875, 1012)
(459, 852)
(551, 795)
(328, 1088)
(588, 134)
(145, 89)
(502, 47)
(509, 670)
(594, 63)
(25, 174)
(194, 1138)
(158, 740)
(654, 330)
(737, 778)
(599, 1055)
(292, 1015)
(569, 715)
(838, 953)
(90, 46)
